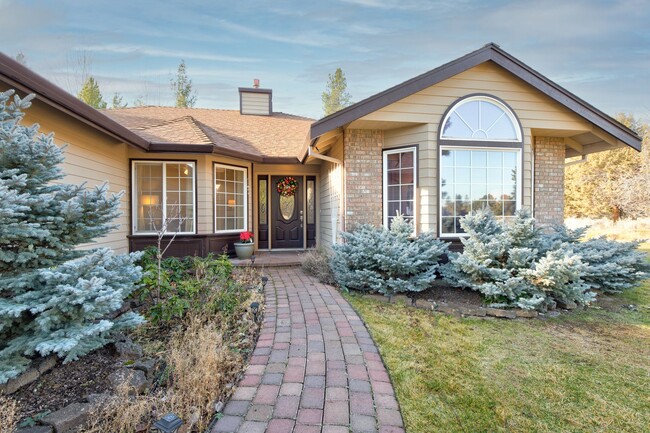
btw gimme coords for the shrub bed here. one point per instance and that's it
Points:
(199, 332)
(519, 265)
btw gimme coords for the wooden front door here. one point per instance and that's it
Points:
(287, 215)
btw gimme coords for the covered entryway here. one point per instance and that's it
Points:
(287, 212)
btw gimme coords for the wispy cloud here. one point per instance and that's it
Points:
(311, 38)
(162, 52)
(394, 4)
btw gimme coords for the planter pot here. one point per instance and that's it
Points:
(244, 251)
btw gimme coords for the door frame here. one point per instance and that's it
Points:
(269, 173)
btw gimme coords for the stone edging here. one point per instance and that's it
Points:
(454, 309)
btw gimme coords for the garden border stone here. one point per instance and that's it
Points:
(39, 366)
(69, 418)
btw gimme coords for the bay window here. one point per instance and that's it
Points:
(400, 182)
(231, 198)
(164, 197)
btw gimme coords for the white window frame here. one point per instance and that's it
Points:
(135, 196)
(386, 152)
(504, 107)
(488, 148)
(214, 196)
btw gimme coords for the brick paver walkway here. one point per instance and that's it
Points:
(314, 369)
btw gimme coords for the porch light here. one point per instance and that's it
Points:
(265, 280)
(170, 423)
(255, 308)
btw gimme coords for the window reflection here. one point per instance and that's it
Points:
(473, 179)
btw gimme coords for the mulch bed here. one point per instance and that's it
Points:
(67, 383)
(442, 293)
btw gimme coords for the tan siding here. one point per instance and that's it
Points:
(255, 103)
(90, 157)
(330, 196)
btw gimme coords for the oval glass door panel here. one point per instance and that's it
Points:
(287, 206)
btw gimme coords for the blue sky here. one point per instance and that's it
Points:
(599, 50)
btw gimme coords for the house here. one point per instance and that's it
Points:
(482, 130)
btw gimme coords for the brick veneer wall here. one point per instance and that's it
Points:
(362, 157)
(549, 179)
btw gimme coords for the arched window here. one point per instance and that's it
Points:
(480, 155)
(480, 118)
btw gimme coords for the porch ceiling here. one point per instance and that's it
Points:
(582, 142)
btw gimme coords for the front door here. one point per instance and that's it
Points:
(287, 211)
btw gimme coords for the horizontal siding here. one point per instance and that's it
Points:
(534, 109)
(89, 157)
(255, 103)
(330, 196)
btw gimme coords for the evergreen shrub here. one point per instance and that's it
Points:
(519, 265)
(54, 297)
(387, 261)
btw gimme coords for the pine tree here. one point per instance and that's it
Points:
(91, 95)
(54, 298)
(335, 97)
(182, 87)
(118, 102)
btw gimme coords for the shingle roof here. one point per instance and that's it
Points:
(259, 137)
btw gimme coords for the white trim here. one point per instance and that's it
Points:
(520, 177)
(134, 195)
(385, 153)
(245, 195)
(506, 110)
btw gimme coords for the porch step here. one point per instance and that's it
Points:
(266, 259)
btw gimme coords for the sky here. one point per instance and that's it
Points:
(599, 50)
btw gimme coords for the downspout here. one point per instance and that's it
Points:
(339, 163)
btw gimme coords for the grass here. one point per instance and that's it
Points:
(623, 230)
(587, 371)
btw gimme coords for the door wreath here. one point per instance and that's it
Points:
(287, 186)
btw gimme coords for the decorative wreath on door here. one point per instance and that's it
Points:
(287, 186)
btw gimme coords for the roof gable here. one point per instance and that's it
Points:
(493, 53)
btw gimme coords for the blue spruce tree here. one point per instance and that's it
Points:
(54, 298)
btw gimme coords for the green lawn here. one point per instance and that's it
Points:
(588, 371)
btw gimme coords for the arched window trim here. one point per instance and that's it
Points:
(480, 97)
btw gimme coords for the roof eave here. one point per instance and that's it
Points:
(27, 81)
